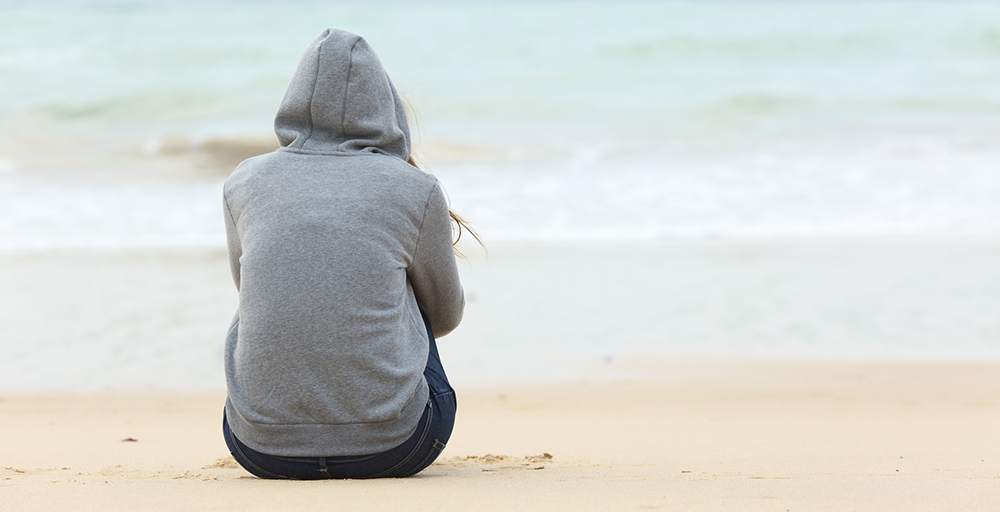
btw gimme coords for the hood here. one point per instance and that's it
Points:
(341, 101)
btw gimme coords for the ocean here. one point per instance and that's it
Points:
(567, 122)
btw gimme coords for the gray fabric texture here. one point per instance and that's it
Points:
(336, 244)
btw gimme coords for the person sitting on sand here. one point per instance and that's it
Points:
(343, 256)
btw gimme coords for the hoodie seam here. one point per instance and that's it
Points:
(316, 152)
(347, 85)
(420, 230)
(312, 95)
(229, 211)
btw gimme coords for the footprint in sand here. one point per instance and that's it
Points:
(499, 462)
(223, 463)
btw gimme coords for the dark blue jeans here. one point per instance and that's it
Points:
(415, 454)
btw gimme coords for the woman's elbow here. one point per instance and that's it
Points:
(447, 319)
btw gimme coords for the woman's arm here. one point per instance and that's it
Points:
(433, 273)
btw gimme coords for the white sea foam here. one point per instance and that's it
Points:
(857, 189)
(48, 216)
(868, 191)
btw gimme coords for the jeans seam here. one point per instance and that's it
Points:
(329, 462)
(423, 435)
(423, 463)
(446, 393)
(236, 444)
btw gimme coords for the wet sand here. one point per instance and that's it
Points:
(691, 435)
(155, 319)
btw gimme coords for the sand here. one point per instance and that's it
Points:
(691, 435)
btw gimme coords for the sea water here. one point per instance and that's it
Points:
(579, 122)
(568, 120)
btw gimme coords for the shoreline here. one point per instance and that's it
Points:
(556, 312)
(719, 435)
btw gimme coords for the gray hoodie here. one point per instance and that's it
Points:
(336, 245)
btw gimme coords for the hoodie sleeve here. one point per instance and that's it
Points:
(433, 273)
(232, 242)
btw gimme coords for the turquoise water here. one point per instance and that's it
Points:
(515, 72)
(579, 120)
(821, 141)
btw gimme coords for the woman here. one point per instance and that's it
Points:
(342, 254)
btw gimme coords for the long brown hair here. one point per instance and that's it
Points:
(460, 223)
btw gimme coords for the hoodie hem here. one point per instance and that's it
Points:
(329, 440)
(336, 153)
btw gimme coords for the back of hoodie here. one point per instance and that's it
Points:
(336, 244)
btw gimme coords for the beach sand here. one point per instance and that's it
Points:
(700, 435)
